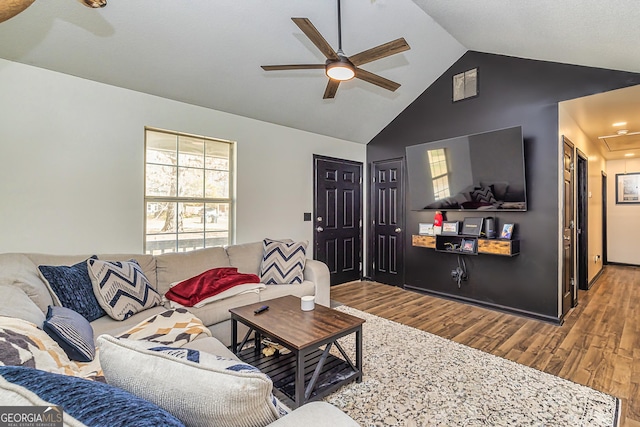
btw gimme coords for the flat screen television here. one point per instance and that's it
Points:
(483, 171)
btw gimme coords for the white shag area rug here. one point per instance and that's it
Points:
(414, 378)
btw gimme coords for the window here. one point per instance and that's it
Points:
(439, 173)
(188, 192)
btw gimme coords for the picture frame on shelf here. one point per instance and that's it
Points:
(468, 245)
(472, 226)
(450, 228)
(425, 229)
(507, 231)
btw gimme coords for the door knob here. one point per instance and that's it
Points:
(398, 230)
(319, 229)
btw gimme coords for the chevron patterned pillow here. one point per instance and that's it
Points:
(282, 262)
(121, 288)
(483, 194)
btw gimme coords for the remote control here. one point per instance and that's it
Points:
(261, 309)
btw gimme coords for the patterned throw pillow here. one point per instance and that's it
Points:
(72, 332)
(23, 344)
(484, 194)
(175, 327)
(282, 262)
(121, 288)
(72, 286)
(90, 402)
(206, 390)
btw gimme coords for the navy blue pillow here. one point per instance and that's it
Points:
(73, 288)
(72, 332)
(93, 403)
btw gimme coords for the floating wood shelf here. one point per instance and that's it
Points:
(484, 246)
(424, 241)
(499, 247)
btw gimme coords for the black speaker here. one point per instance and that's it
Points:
(490, 228)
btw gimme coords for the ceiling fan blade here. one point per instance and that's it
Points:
(332, 88)
(378, 52)
(376, 80)
(314, 35)
(293, 67)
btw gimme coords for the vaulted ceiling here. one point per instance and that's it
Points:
(209, 53)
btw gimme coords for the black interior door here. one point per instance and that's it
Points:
(388, 222)
(582, 211)
(604, 218)
(568, 281)
(338, 217)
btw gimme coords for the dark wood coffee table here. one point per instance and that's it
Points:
(309, 372)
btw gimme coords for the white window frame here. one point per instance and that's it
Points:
(230, 200)
(440, 181)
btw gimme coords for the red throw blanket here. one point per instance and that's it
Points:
(191, 291)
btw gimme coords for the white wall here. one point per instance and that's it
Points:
(71, 164)
(623, 232)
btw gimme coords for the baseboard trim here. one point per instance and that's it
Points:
(498, 307)
(622, 264)
(595, 278)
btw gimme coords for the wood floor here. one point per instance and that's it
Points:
(598, 345)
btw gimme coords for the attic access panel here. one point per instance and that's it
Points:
(622, 143)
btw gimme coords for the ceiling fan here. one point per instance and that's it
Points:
(10, 8)
(340, 67)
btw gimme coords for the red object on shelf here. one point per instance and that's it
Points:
(437, 219)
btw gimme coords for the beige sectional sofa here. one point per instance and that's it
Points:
(165, 269)
(21, 271)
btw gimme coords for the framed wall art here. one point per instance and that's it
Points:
(450, 228)
(425, 229)
(465, 85)
(628, 188)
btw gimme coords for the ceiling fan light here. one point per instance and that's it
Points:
(10, 8)
(94, 3)
(340, 70)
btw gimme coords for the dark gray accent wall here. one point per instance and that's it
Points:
(512, 92)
